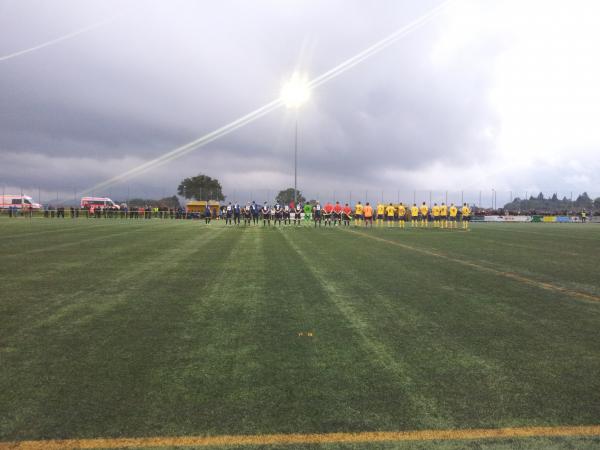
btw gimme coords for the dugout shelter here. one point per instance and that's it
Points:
(199, 206)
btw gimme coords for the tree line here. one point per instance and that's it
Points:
(553, 204)
(203, 187)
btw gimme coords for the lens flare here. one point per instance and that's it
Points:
(59, 39)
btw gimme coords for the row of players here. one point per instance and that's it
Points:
(442, 216)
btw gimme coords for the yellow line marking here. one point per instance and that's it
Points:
(289, 439)
(511, 275)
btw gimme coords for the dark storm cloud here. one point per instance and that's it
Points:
(164, 73)
(57, 129)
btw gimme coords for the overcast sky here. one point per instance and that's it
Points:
(489, 94)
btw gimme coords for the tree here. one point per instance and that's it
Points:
(286, 196)
(201, 187)
(584, 201)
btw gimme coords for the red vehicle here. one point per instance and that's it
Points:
(92, 203)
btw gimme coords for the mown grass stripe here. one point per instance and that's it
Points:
(316, 438)
(425, 407)
(464, 262)
(80, 242)
(60, 228)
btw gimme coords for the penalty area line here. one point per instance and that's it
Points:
(316, 438)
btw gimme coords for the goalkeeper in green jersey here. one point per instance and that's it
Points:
(307, 212)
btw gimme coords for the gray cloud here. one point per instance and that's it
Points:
(167, 72)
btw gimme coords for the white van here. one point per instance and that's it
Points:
(97, 202)
(18, 202)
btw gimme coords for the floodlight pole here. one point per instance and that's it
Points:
(296, 161)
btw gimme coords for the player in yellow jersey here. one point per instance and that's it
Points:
(414, 215)
(443, 215)
(358, 213)
(424, 212)
(380, 214)
(401, 215)
(390, 212)
(465, 212)
(435, 212)
(453, 212)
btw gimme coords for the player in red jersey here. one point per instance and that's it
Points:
(346, 214)
(327, 213)
(337, 214)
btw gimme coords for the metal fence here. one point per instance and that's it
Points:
(484, 198)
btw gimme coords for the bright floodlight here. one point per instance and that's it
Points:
(295, 91)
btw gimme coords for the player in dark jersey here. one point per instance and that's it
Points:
(255, 210)
(278, 214)
(298, 213)
(266, 214)
(317, 213)
(237, 214)
(247, 212)
(228, 214)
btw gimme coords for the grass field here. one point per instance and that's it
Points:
(114, 329)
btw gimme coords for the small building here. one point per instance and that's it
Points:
(199, 206)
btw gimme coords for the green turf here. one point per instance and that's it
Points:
(114, 328)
